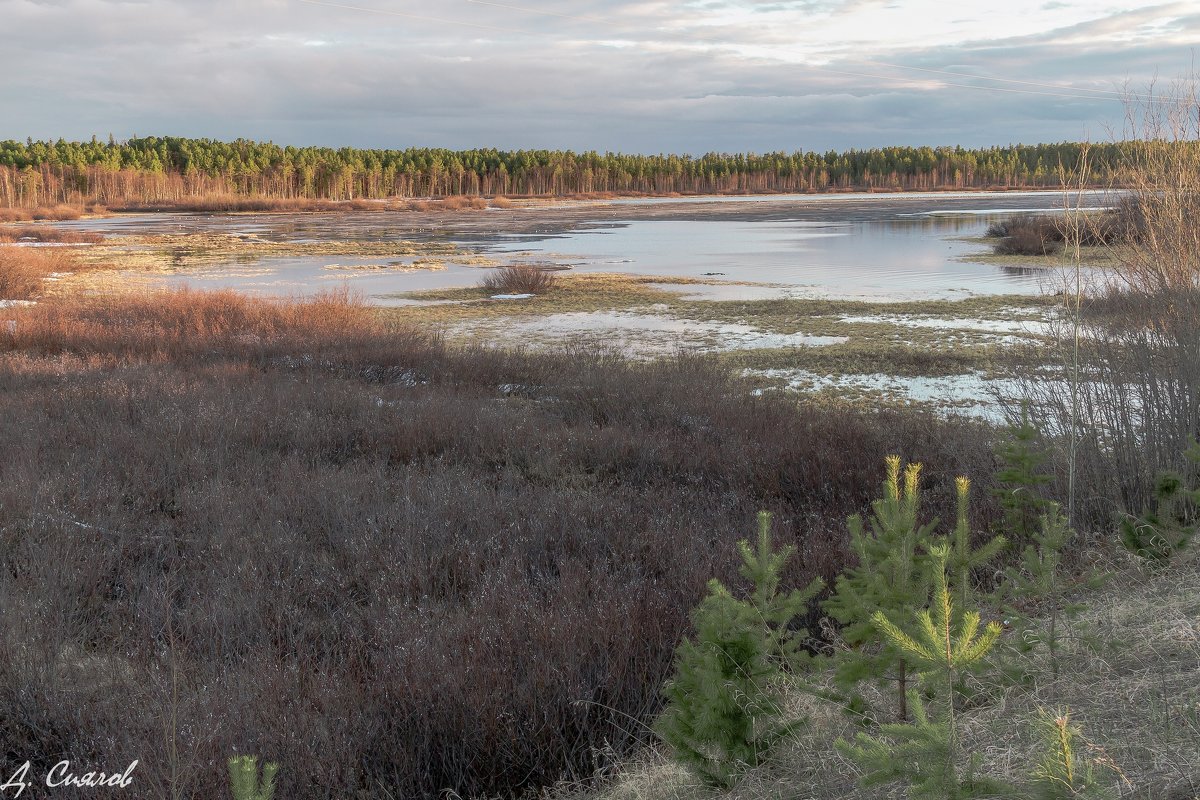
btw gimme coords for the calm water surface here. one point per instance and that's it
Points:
(865, 246)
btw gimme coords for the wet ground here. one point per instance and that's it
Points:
(864, 245)
(713, 253)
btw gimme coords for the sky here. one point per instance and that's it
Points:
(634, 76)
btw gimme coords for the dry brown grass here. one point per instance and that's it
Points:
(519, 279)
(185, 324)
(229, 204)
(453, 203)
(24, 270)
(51, 213)
(40, 233)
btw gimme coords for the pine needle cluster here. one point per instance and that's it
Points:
(244, 780)
(927, 753)
(1020, 481)
(723, 714)
(1159, 534)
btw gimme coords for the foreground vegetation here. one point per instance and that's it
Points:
(288, 529)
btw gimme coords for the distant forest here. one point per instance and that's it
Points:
(34, 173)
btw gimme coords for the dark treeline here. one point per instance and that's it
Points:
(36, 173)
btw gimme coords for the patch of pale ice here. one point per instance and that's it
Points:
(511, 296)
(972, 393)
(647, 334)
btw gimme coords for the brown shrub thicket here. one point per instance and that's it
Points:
(41, 233)
(519, 279)
(24, 270)
(1127, 405)
(51, 213)
(227, 204)
(1042, 234)
(284, 528)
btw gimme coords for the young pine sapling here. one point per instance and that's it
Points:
(723, 714)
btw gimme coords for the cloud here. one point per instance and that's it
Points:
(633, 75)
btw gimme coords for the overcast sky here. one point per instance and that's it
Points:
(623, 75)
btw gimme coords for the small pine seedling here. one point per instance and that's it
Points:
(964, 558)
(926, 753)
(244, 782)
(890, 576)
(723, 714)
(919, 753)
(1159, 534)
(1020, 482)
(1038, 580)
(1062, 773)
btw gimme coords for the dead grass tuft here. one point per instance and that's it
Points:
(24, 270)
(51, 213)
(519, 279)
(40, 233)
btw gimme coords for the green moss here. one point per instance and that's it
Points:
(868, 357)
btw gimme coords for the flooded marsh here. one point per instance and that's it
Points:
(835, 286)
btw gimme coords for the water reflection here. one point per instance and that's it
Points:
(878, 246)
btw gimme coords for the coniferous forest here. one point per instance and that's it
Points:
(150, 169)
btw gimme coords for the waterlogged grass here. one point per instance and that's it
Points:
(869, 356)
(171, 252)
(571, 293)
(977, 338)
(1063, 259)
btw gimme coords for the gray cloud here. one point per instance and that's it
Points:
(634, 75)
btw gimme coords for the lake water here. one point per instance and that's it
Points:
(840, 246)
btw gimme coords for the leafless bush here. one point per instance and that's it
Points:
(1126, 396)
(520, 279)
(283, 528)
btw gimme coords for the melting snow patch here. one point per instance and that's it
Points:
(511, 296)
(17, 303)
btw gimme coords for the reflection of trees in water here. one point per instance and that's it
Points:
(1022, 272)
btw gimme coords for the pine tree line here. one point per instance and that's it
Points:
(154, 169)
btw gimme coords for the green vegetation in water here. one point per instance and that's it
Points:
(592, 292)
(1088, 257)
(869, 357)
